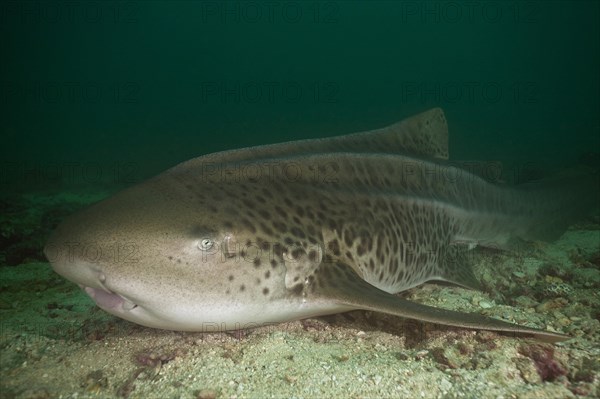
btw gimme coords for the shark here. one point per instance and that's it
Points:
(294, 230)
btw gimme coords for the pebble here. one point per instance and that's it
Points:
(528, 370)
(207, 394)
(486, 304)
(564, 321)
(551, 304)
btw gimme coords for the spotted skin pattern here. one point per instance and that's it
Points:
(293, 230)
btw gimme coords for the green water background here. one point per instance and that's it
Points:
(113, 92)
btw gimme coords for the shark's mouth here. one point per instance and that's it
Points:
(109, 300)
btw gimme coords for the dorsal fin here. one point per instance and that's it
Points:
(425, 134)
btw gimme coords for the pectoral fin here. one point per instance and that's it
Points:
(338, 282)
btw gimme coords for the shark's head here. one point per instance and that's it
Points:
(170, 255)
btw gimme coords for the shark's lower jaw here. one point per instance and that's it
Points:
(109, 301)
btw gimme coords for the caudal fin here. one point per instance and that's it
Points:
(540, 210)
(555, 204)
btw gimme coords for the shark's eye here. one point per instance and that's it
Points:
(205, 244)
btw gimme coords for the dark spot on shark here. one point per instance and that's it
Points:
(248, 203)
(260, 199)
(278, 249)
(348, 237)
(365, 240)
(249, 225)
(334, 247)
(280, 227)
(297, 289)
(256, 262)
(297, 253)
(298, 232)
(360, 250)
(267, 193)
(265, 291)
(280, 211)
(266, 229)
(231, 211)
(332, 224)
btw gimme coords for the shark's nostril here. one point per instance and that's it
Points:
(128, 305)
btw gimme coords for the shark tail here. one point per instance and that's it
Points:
(540, 211)
(555, 204)
(535, 211)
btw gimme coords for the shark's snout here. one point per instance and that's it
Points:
(65, 256)
(79, 261)
(64, 261)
